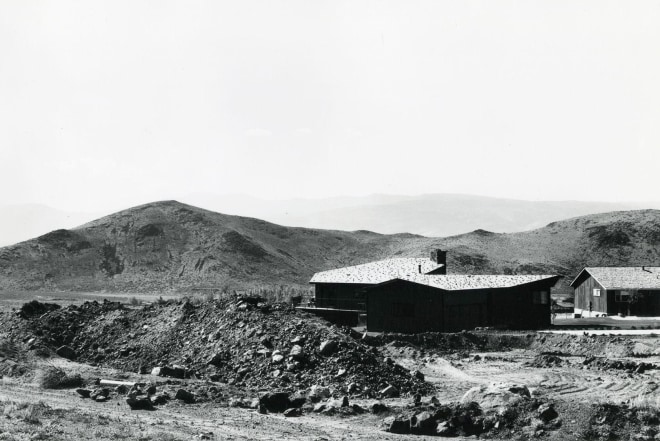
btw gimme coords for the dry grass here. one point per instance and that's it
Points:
(51, 377)
(31, 413)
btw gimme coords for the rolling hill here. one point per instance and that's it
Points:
(169, 246)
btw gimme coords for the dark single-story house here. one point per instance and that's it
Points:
(617, 290)
(449, 303)
(345, 288)
(417, 295)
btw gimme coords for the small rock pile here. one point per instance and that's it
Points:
(545, 361)
(613, 421)
(486, 411)
(139, 396)
(622, 365)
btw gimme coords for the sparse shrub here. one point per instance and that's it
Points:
(30, 413)
(134, 301)
(51, 377)
(282, 293)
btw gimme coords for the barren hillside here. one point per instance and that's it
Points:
(172, 246)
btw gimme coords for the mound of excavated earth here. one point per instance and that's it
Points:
(241, 342)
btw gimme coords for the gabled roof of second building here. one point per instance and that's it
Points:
(623, 277)
(377, 272)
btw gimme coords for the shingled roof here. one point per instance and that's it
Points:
(377, 272)
(457, 282)
(631, 277)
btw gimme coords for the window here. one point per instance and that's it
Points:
(596, 292)
(403, 310)
(540, 297)
(622, 296)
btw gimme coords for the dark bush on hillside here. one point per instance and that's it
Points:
(35, 308)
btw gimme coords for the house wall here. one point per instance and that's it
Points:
(584, 294)
(519, 308)
(647, 304)
(340, 295)
(404, 307)
(432, 309)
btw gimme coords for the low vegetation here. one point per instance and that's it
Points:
(52, 377)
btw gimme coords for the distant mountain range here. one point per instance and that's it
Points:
(167, 246)
(432, 215)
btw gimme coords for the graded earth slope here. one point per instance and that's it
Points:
(168, 246)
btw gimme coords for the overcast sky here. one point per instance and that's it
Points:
(112, 104)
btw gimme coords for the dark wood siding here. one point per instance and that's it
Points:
(465, 310)
(584, 294)
(387, 304)
(647, 303)
(402, 306)
(515, 308)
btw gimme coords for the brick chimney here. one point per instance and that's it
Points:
(440, 257)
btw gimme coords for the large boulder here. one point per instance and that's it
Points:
(139, 403)
(397, 425)
(328, 347)
(170, 371)
(66, 352)
(423, 424)
(496, 395)
(185, 396)
(276, 402)
(547, 412)
(317, 393)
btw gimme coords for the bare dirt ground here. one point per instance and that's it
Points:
(72, 418)
(597, 384)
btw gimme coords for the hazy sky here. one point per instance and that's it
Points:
(112, 104)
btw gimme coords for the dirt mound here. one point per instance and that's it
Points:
(244, 343)
(584, 345)
(545, 361)
(465, 341)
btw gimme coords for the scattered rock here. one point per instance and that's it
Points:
(328, 347)
(276, 402)
(379, 407)
(547, 412)
(293, 412)
(139, 403)
(85, 393)
(423, 424)
(397, 425)
(66, 352)
(317, 393)
(390, 392)
(185, 396)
